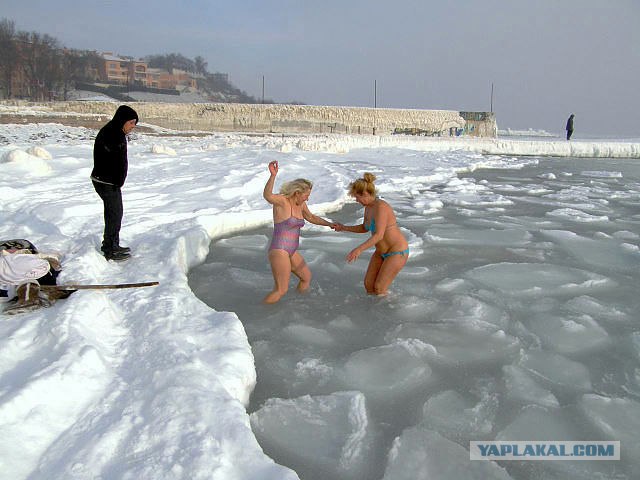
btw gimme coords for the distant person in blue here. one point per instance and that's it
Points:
(110, 165)
(570, 126)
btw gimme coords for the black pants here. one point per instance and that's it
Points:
(569, 133)
(112, 198)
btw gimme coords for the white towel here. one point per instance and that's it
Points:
(20, 268)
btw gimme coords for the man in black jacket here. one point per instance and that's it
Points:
(110, 166)
(569, 127)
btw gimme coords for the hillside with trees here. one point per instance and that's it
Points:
(215, 85)
(37, 67)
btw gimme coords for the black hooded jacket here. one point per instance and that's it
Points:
(570, 123)
(110, 162)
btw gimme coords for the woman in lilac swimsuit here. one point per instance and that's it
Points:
(392, 249)
(289, 213)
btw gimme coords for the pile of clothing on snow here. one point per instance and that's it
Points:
(22, 271)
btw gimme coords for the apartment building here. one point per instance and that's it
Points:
(122, 70)
(127, 71)
(160, 78)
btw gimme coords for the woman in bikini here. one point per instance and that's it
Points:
(289, 213)
(392, 249)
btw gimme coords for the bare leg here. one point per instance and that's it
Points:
(390, 268)
(372, 272)
(301, 270)
(281, 270)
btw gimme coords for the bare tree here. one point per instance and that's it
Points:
(70, 64)
(41, 63)
(171, 61)
(9, 59)
(200, 65)
(51, 67)
(77, 66)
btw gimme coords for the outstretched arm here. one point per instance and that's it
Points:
(350, 228)
(310, 217)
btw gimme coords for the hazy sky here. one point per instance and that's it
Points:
(545, 58)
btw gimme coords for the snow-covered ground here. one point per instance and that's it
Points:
(152, 383)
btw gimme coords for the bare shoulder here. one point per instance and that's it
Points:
(383, 208)
(277, 199)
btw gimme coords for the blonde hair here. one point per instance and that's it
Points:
(364, 184)
(298, 185)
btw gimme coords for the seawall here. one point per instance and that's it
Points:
(275, 118)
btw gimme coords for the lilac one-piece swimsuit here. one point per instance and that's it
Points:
(286, 235)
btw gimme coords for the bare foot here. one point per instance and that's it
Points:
(273, 297)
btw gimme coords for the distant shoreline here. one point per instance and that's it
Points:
(521, 144)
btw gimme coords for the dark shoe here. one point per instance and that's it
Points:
(119, 249)
(117, 256)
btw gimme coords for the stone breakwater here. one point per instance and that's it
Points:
(280, 118)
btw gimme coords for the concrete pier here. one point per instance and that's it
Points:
(273, 118)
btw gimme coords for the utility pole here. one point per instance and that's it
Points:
(491, 97)
(263, 89)
(375, 105)
(375, 94)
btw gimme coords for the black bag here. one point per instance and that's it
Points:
(18, 244)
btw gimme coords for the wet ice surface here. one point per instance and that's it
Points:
(514, 319)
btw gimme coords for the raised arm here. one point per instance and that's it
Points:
(268, 194)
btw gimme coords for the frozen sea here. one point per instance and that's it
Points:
(514, 319)
(516, 316)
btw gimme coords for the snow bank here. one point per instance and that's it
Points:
(520, 148)
(19, 162)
